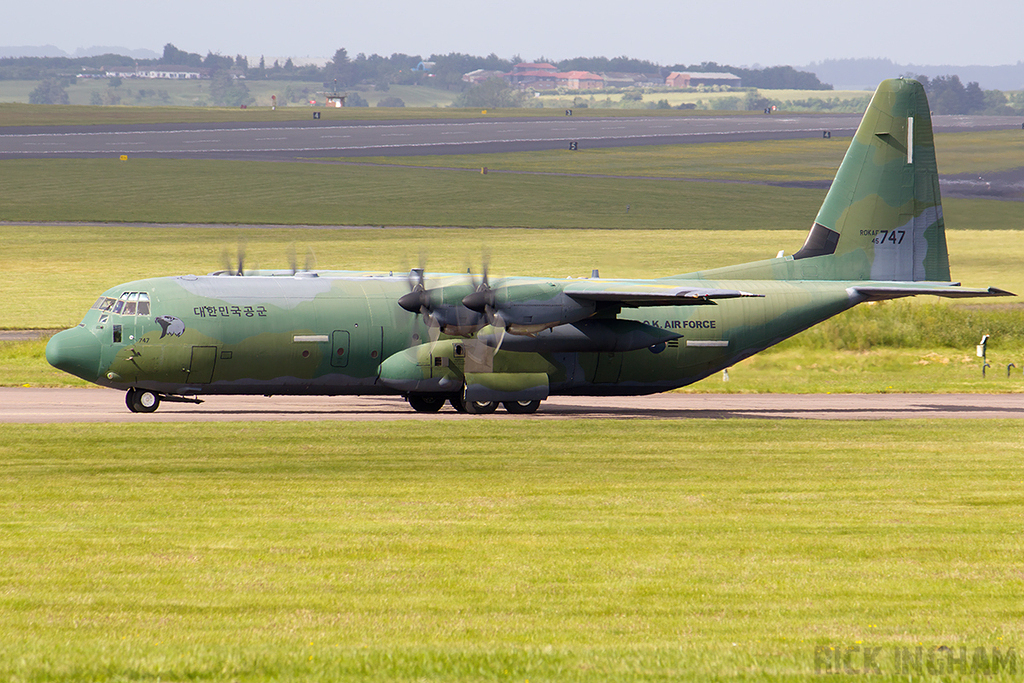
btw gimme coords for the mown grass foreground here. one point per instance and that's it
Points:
(503, 551)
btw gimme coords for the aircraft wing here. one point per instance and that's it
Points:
(635, 295)
(951, 290)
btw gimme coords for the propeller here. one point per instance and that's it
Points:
(418, 301)
(458, 318)
(485, 300)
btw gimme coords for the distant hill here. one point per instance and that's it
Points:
(865, 74)
(54, 51)
(32, 51)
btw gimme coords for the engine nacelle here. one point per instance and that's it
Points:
(529, 308)
(595, 335)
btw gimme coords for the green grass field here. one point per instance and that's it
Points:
(767, 161)
(343, 194)
(575, 551)
(585, 189)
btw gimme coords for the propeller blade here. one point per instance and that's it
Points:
(501, 332)
(293, 259)
(433, 331)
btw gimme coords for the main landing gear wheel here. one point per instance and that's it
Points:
(473, 407)
(142, 400)
(426, 403)
(521, 407)
(481, 407)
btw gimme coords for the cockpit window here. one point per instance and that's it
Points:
(129, 303)
(105, 303)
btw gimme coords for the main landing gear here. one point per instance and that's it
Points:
(431, 403)
(426, 403)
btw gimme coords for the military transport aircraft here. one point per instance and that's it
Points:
(474, 343)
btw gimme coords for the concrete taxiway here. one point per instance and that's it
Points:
(40, 405)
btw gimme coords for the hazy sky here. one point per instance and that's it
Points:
(765, 32)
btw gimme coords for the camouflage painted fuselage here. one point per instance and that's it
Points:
(330, 334)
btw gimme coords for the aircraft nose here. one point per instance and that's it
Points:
(75, 351)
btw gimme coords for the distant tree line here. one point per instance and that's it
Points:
(947, 94)
(381, 71)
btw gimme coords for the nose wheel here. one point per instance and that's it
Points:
(142, 400)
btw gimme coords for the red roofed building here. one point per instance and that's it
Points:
(539, 76)
(543, 76)
(580, 80)
(683, 79)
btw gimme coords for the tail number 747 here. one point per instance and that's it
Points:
(890, 236)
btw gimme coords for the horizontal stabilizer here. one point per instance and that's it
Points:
(883, 292)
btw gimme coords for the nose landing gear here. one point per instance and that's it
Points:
(142, 400)
(146, 401)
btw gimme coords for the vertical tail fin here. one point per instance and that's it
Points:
(882, 217)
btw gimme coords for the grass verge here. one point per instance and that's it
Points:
(169, 191)
(765, 161)
(570, 551)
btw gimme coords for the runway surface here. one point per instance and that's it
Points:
(37, 405)
(332, 139)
